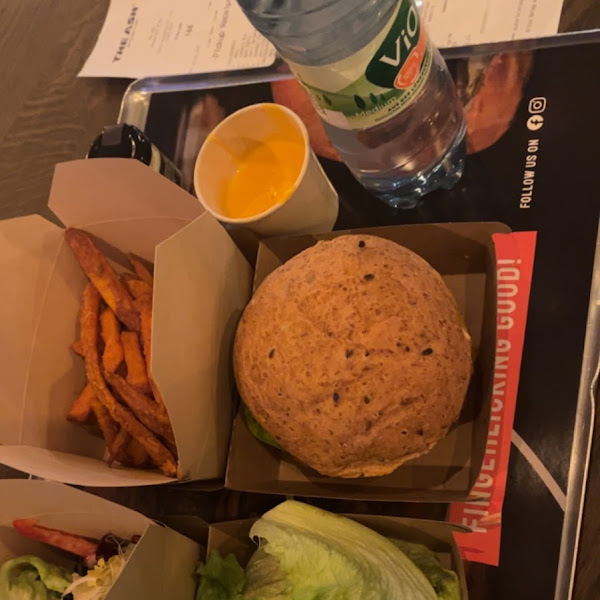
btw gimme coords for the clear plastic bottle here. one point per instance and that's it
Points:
(382, 89)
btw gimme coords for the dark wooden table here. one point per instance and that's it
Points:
(48, 115)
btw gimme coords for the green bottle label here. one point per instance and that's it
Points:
(377, 82)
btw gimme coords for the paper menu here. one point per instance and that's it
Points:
(153, 38)
(465, 22)
(144, 38)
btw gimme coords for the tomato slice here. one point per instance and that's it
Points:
(70, 542)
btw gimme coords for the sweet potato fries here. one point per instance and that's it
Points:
(104, 278)
(120, 395)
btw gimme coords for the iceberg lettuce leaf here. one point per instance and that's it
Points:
(265, 579)
(324, 556)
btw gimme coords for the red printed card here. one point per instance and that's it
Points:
(483, 515)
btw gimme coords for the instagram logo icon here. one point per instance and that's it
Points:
(537, 105)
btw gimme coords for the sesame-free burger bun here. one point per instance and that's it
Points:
(353, 355)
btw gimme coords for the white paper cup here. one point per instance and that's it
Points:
(312, 205)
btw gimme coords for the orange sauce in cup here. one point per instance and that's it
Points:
(266, 175)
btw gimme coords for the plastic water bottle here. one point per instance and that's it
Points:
(382, 89)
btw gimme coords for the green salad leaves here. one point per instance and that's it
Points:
(31, 578)
(444, 582)
(257, 430)
(220, 578)
(306, 553)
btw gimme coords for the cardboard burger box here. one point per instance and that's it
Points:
(232, 538)
(464, 255)
(161, 566)
(202, 283)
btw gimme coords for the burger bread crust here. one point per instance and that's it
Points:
(354, 356)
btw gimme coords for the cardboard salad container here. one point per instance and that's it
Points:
(161, 566)
(464, 255)
(202, 283)
(232, 538)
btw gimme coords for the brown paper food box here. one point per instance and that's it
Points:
(202, 283)
(464, 255)
(161, 566)
(232, 538)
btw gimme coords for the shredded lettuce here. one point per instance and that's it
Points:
(96, 584)
(31, 578)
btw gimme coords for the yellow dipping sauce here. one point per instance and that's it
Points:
(266, 174)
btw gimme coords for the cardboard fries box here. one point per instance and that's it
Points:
(202, 283)
(464, 255)
(232, 538)
(161, 566)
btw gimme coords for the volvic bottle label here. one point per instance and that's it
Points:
(377, 82)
